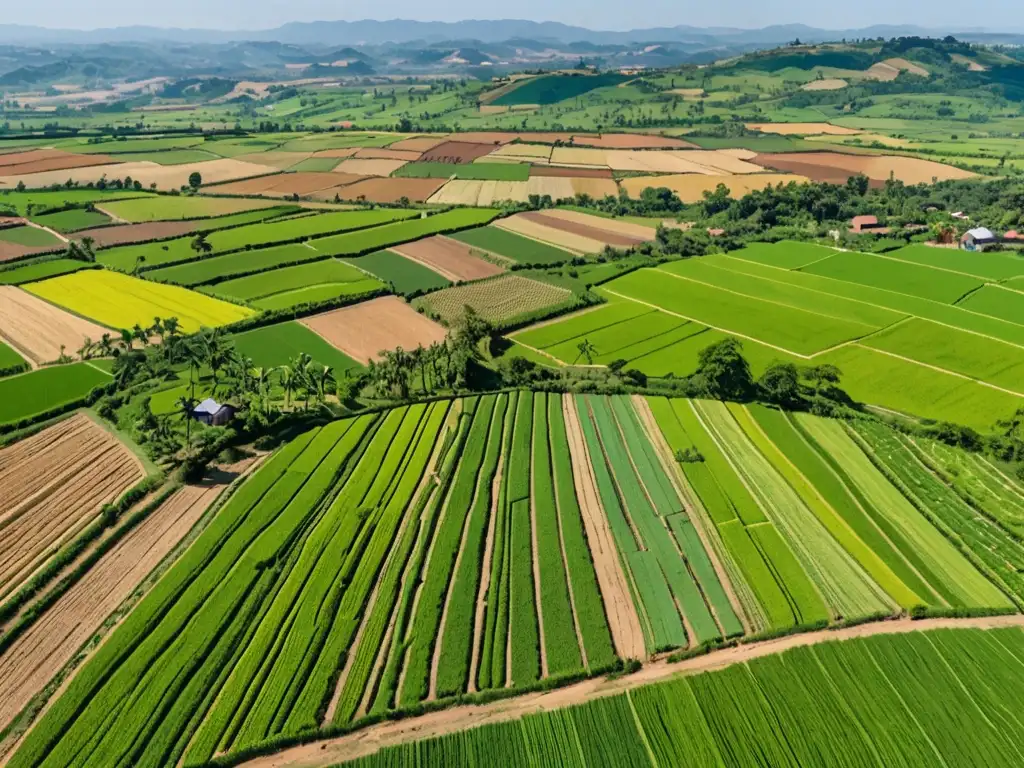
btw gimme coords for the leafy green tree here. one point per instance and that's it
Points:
(195, 180)
(723, 372)
(780, 384)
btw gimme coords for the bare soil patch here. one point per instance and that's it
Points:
(718, 162)
(364, 330)
(633, 141)
(282, 184)
(549, 234)
(51, 487)
(419, 143)
(105, 237)
(456, 152)
(828, 84)
(484, 137)
(574, 173)
(659, 162)
(165, 177)
(387, 734)
(381, 190)
(450, 258)
(343, 152)
(40, 160)
(354, 165)
(836, 167)
(373, 153)
(583, 228)
(38, 329)
(802, 129)
(615, 226)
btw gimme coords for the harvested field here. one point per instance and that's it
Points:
(166, 208)
(575, 173)
(418, 143)
(339, 153)
(54, 640)
(449, 258)
(615, 226)
(40, 330)
(828, 84)
(836, 167)
(499, 301)
(379, 190)
(53, 485)
(549, 234)
(890, 69)
(488, 193)
(632, 141)
(581, 226)
(359, 167)
(657, 162)
(165, 177)
(275, 159)
(596, 188)
(691, 187)
(284, 184)
(105, 237)
(11, 251)
(740, 152)
(484, 137)
(373, 153)
(571, 156)
(526, 151)
(42, 160)
(455, 152)
(802, 129)
(365, 330)
(718, 162)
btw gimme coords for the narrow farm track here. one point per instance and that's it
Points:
(375, 737)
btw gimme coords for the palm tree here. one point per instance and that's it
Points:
(157, 329)
(324, 377)
(587, 350)
(185, 406)
(288, 384)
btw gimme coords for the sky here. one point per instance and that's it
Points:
(594, 14)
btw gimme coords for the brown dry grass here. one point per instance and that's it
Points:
(828, 84)
(574, 173)
(456, 152)
(450, 258)
(691, 187)
(633, 141)
(802, 129)
(343, 152)
(419, 143)
(657, 162)
(718, 162)
(526, 151)
(365, 330)
(284, 184)
(595, 187)
(357, 167)
(380, 190)
(165, 177)
(275, 159)
(52, 486)
(38, 329)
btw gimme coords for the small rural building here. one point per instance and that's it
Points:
(978, 239)
(713, 232)
(960, 215)
(867, 224)
(212, 413)
(1013, 237)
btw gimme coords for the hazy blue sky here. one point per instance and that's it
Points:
(595, 14)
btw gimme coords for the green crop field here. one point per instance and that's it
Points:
(780, 710)
(39, 270)
(987, 266)
(31, 394)
(61, 198)
(509, 245)
(32, 237)
(405, 275)
(11, 361)
(549, 89)
(242, 263)
(72, 220)
(472, 171)
(785, 254)
(997, 301)
(502, 301)
(275, 345)
(168, 207)
(339, 276)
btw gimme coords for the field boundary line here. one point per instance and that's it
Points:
(984, 280)
(375, 737)
(963, 376)
(759, 298)
(714, 327)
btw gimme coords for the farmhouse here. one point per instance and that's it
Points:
(1013, 237)
(865, 224)
(978, 239)
(213, 414)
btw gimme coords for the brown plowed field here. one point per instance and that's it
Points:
(37, 328)
(373, 153)
(456, 152)
(578, 227)
(364, 330)
(615, 226)
(449, 258)
(386, 190)
(145, 172)
(105, 237)
(419, 143)
(836, 167)
(576, 173)
(548, 234)
(633, 141)
(282, 184)
(802, 129)
(484, 137)
(52, 486)
(40, 160)
(11, 251)
(52, 641)
(344, 152)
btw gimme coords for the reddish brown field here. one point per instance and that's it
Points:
(419, 143)
(12, 251)
(836, 168)
(283, 184)
(575, 173)
(105, 237)
(381, 190)
(628, 229)
(52, 486)
(56, 637)
(484, 137)
(456, 152)
(583, 230)
(632, 141)
(449, 258)
(60, 162)
(373, 153)
(364, 330)
(38, 329)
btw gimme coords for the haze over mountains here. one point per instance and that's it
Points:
(370, 32)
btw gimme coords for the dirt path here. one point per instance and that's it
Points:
(54, 232)
(112, 216)
(370, 740)
(622, 616)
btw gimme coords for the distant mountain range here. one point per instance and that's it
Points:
(401, 31)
